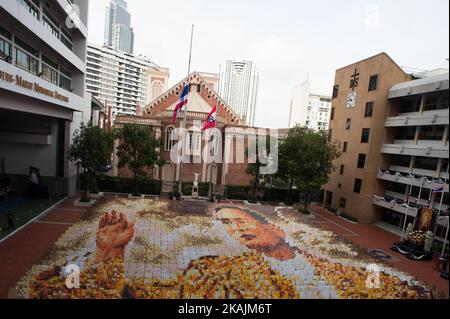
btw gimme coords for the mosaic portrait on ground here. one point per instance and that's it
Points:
(149, 249)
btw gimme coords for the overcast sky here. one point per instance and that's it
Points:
(287, 39)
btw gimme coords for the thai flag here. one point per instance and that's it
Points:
(211, 120)
(183, 102)
(438, 190)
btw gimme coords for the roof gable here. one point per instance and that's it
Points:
(201, 102)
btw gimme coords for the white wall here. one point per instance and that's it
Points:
(299, 104)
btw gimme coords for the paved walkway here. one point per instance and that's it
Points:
(28, 246)
(373, 237)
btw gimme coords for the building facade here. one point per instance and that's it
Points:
(204, 153)
(415, 159)
(123, 81)
(118, 31)
(308, 109)
(42, 92)
(391, 134)
(239, 83)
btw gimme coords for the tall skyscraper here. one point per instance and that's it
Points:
(239, 82)
(118, 31)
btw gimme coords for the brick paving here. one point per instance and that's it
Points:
(28, 246)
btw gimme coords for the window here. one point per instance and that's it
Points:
(65, 79)
(25, 61)
(49, 74)
(49, 70)
(330, 135)
(335, 91)
(26, 47)
(361, 160)
(358, 185)
(365, 135)
(157, 88)
(348, 124)
(214, 143)
(193, 142)
(342, 202)
(332, 114)
(5, 50)
(170, 138)
(341, 171)
(339, 185)
(373, 83)
(344, 150)
(369, 109)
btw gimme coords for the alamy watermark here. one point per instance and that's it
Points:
(73, 16)
(73, 276)
(232, 146)
(373, 280)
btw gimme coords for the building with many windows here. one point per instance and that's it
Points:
(393, 132)
(118, 31)
(121, 80)
(42, 90)
(308, 109)
(239, 83)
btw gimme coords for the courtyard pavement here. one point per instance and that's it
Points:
(169, 246)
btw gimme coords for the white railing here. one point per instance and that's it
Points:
(410, 179)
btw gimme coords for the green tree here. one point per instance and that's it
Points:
(137, 150)
(91, 151)
(306, 160)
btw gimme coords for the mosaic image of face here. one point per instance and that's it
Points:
(147, 251)
(256, 233)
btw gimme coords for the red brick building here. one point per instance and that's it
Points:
(203, 154)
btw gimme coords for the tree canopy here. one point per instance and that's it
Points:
(306, 159)
(91, 151)
(137, 149)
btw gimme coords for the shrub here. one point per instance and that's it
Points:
(238, 192)
(126, 185)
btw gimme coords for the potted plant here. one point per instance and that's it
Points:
(171, 194)
(177, 195)
(218, 197)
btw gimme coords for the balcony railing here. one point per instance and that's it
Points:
(437, 151)
(438, 117)
(395, 205)
(33, 8)
(411, 179)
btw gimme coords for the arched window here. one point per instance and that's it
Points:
(157, 88)
(170, 138)
(215, 140)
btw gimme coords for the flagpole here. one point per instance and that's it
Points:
(442, 200)
(180, 184)
(419, 198)
(407, 210)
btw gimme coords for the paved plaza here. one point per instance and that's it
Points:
(164, 249)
